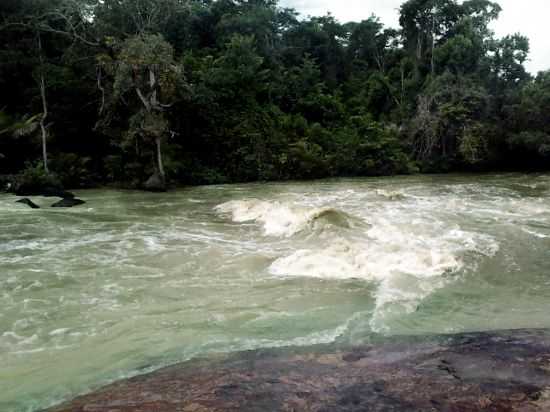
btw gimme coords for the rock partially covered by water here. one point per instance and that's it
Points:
(69, 202)
(505, 371)
(29, 203)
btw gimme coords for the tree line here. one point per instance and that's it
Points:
(202, 91)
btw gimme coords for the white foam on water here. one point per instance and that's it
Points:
(17, 245)
(404, 274)
(28, 351)
(153, 244)
(282, 219)
(282, 248)
(407, 256)
(391, 195)
(60, 331)
(13, 341)
(315, 338)
(536, 234)
(155, 276)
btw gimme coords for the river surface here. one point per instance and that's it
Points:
(134, 281)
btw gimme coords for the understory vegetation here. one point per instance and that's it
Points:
(201, 91)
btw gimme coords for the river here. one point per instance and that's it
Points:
(133, 281)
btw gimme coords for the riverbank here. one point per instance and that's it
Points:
(497, 371)
(12, 180)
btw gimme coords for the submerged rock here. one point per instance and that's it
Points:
(504, 371)
(29, 203)
(69, 202)
(156, 183)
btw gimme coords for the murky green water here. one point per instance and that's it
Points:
(132, 281)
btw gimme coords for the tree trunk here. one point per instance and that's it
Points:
(402, 84)
(157, 182)
(160, 165)
(42, 85)
(42, 125)
(433, 42)
(101, 89)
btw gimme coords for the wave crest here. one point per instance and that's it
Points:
(285, 220)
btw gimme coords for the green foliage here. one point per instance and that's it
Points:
(73, 170)
(528, 120)
(235, 90)
(27, 125)
(237, 74)
(473, 144)
(450, 116)
(34, 176)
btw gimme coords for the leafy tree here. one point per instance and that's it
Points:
(204, 91)
(35, 19)
(146, 74)
(528, 119)
(449, 110)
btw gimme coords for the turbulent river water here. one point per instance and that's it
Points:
(133, 281)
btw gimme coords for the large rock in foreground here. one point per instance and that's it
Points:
(508, 371)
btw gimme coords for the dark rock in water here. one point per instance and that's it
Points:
(504, 371)
(29, 203)
(156, 183)
(69, 202)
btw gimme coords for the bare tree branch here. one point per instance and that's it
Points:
(42, 84)
(101, 89)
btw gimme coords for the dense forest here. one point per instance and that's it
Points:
(201, 91)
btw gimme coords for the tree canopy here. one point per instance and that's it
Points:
(203, 91)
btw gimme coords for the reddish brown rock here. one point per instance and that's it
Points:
(508, 371)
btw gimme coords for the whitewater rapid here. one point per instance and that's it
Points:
(134, 281)
(407, 255)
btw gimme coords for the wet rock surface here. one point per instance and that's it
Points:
(69, 202)
(29, 203)
(500, 371)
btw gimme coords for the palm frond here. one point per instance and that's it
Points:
(24, 127)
